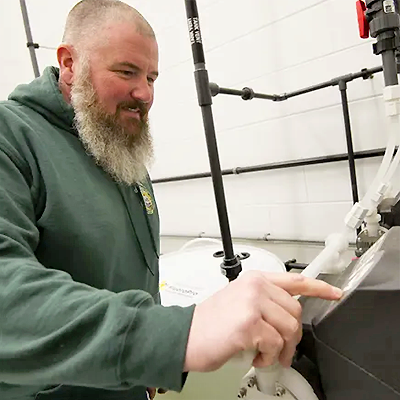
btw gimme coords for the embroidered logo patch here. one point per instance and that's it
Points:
(148, 201)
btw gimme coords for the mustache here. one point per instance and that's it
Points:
(140, 105)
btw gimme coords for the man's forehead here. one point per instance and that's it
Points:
(125, 30)
(118, 44)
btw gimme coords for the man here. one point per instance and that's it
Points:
(79, 247)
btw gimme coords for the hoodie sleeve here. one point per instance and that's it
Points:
(54, 330)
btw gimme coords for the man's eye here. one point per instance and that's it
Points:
(150, 80)
(125, 73)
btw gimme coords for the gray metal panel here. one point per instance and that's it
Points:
(360, 334)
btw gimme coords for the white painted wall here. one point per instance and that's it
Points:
(272, 46)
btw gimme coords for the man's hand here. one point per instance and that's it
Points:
(255, 312)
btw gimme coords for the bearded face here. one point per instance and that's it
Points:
(120, 141)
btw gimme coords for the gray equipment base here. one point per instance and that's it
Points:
(355, 343)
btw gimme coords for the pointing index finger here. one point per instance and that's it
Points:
(297, 284)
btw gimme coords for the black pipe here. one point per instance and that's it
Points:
(231, 266)
(293, 264)
(384, 25)
(248, 93)
(279, 165)
(350, 149)
(364, 73)
(245, 93)
(390, 68)
(349, 141)
(31, 46)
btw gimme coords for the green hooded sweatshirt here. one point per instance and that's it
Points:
(79, 305)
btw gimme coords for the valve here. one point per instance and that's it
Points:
(363, 25)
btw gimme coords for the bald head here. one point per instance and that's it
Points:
(88, 18)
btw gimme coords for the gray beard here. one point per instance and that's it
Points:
(123, 152)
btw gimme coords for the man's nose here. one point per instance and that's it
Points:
(143, 92)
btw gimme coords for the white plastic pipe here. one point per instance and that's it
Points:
(372, 223)
(268, 377)
(395, 127)
(318, 264)
(388, 165)
(385, 173)
(331, 254)
(297, 385)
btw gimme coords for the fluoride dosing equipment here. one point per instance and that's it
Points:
(377, 18)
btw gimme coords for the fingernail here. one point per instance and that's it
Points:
(338, 292)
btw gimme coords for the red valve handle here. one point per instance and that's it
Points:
(363, 25)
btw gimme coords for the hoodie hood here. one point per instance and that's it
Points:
(44, 96)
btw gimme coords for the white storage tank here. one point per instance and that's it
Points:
(191, 275)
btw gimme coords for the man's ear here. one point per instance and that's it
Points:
(66, 58)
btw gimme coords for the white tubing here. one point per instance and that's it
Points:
(372, 223)
(289, 378)
(395, 126)
(385, 173)
(268, 377)
(317, 265)
(331, 253)
(297, 385)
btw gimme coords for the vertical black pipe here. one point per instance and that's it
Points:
(350, 149)
(389, 68)
(29, 38)
(384, 24)
(231, 266)
(349, 140)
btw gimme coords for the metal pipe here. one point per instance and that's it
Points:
(389, 68)
(31, 46)
(364, 73)
(349, 140)
(231, 266)
(293, 264)
(248, 93)
(265, 239)
(245, 93)
(384, 25)
(279, 165)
